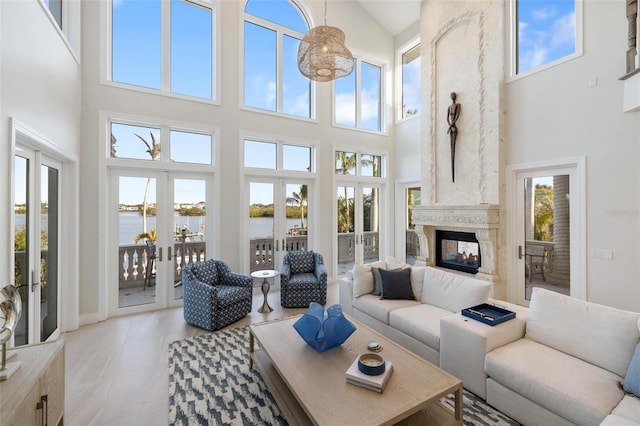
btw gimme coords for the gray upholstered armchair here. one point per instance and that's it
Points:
(214, 297)
(303, 279)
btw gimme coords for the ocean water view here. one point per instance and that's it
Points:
(131, 225)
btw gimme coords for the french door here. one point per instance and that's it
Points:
(547, 222)
(278, 220)
(37, 195)
(358, 233)
(158, 224)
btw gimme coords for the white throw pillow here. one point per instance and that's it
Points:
(417, 280)
(393, 263)
(599, 334)
(363, 277)
(451, 291)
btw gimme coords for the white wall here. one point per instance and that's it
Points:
(363, 34)
(40, 87)
(562, 112)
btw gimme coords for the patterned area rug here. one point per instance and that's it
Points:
(210, 384)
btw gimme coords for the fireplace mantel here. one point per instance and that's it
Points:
(481, 216)
(481, 219)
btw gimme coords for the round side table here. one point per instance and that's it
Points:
(265, 274)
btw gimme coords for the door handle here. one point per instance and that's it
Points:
(34, 280)
(159, 254)
(169, 253)
(277, 245)
(520, 255)
(284, 248)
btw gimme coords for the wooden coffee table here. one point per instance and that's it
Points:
(310, 387)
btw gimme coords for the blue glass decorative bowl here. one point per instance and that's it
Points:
(324, 331)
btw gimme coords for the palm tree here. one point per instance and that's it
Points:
(299, 199)
(346, 161)
(153, 149)
(151, 235)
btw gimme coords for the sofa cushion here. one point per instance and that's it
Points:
(363, 277)
(396, 284)
(422, 322)
(452, 291)
(567, 386)
(598, 334)
(628, 408)
(632, 379)
(379, 308)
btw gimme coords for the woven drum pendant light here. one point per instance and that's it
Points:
(322, 54)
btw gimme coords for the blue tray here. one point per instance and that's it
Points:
(488, 314)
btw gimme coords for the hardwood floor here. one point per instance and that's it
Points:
(117, 370)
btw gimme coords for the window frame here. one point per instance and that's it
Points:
(280, 142)
(512, 12)
(281, 32)
(69, 31)
(400, 52)
(164, 161)
(106, 65)
(384, 128)
(359, 152)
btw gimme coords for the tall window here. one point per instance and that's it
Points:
(358, 98)
(272, 33)
(55, 7)
(137, 47)
(409, 70)
(545, 31)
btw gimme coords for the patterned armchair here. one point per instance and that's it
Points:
(303, 279)
(214, 297)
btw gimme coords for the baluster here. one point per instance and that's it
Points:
(135, 265)
(125, 265)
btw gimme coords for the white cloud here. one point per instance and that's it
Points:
(564, 30)
(270, 93)
(260, 92)
(544, 13)
(345, 107)
(370, 105)
(298, 106)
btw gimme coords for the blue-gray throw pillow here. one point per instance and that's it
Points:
(632, 379)
(377, 282)
(396, 284)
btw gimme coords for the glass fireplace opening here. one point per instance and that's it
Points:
(458, 250)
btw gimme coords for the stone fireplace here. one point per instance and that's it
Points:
(482, 220)
(461, 53)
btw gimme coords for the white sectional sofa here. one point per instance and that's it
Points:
(560, 363)
(413, 323)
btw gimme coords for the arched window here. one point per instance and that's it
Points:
(272, 31)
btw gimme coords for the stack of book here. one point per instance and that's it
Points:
(375, 383)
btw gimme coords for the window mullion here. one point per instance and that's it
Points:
(358, 93)
(280, 71)
(166, 46)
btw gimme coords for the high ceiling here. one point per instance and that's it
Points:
(394, 15)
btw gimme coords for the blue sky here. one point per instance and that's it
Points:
(546, 31)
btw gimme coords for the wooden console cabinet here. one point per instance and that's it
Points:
(34, 394)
